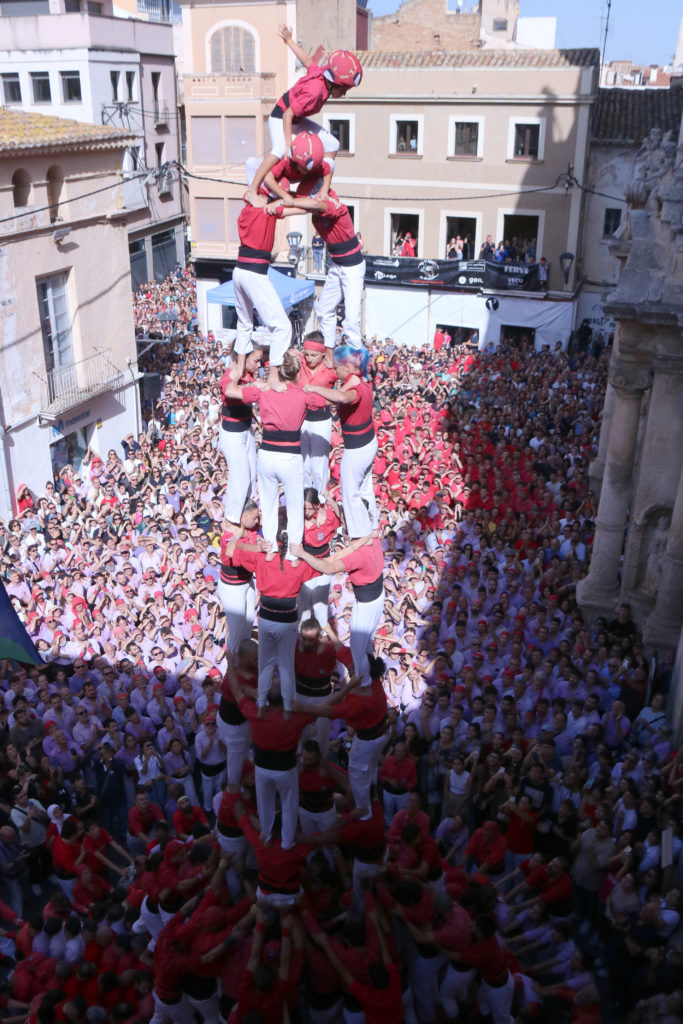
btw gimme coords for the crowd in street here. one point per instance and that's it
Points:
(251, 783)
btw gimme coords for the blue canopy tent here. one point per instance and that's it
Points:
(290, 290)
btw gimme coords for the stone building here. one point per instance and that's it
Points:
(638, 547)
(68, 363)
(620, 120)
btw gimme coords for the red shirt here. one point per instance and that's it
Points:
(398, 777)
(307, 95)
(323, 376)
(271, 580)
(186, 822)
(364, 712)
(317, 536)
(366, 838)
(272, 731)
(492, 853)
(489, 959)
(366, 564)
(381, 1005)
(138, 822)
(314, 668)
(65, 855)
(316, 790)
(354, 414)
(279, 870)
(282, 410)
(286, 168)
(256, 229)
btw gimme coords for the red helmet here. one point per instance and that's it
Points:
(343, 68)
(307, 150)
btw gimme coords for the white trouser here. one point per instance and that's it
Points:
(320, 730)
(342, 284)
(364, 759)
(331, 1015)
(318, 821)
(393, 803)
(277, 135)
(236, 848)
(284, 468)
(255, 291)
(211, 785)
(362, 870)
(238, 600)
(365, 618)
(454, 989)
(187, 782)
(171, 1013)
(239, 449)
(208, 1009)
(315, 449)
(237, 739)
(409, 1016)
(497, 1001)
(423, 981)
(276, 647)
(357, 489)
(268, 783)
(314, 597)
(279, 899)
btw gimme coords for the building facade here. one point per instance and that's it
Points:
(68, 373)
(119, 72)
(638, 547)
(621, 120)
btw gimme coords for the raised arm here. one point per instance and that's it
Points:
(285, 33)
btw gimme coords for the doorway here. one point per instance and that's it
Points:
(401, 225)
(463, 230)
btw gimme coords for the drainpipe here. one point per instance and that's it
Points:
(4, 476)
(138, 422)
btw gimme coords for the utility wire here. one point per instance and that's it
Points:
(84, 195)
(564, 178)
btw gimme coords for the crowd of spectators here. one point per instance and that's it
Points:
(528, 814)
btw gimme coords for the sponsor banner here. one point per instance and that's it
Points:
(450, 274)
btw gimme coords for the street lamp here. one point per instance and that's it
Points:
(294, 243)
(566, 261)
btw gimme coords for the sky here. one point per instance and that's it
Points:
(638, 31)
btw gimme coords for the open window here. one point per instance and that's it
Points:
(406, 135)
(402, 225)
(463, 232)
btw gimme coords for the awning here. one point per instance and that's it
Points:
(289, 289)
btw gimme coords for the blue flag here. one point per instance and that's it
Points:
(15, 643)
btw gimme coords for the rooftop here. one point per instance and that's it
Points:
(21, 132)
(480, 59)
(625, 116)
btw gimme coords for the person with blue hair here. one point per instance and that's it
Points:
(353, 397)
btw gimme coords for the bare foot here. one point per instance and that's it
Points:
(252, 197)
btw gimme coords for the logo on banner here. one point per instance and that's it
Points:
(428, 269)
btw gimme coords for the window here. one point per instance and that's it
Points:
(402, 226)
(131, 163)
(159, 148)
(40, 82)
(466, 138)
(340, 127)
(55, 321)
(520, 235)
(240, 139)
(72, 6)
(234, 210)
(114, 78)
(500, 24)
(210, 220)
(206, 140)
(94, 7)
(233, 51)
(130, 85)
(71, 86)
(526, 140)
(405, 136)
(11, 88)
(21, 187)
(611, 221)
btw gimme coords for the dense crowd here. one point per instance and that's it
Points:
(481, 817)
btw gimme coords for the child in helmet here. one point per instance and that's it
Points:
(307, 96)
(305, 160)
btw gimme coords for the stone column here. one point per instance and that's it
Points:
(663, 626)
(597, 466)
(598, 593)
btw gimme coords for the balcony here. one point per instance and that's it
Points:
(227, 87)
(72, 385)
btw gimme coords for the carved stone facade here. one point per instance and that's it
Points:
(638, 548)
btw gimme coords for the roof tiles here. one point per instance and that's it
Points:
(21, 131)
(480, 58)
(627, 115)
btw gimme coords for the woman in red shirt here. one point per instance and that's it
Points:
(279, 585)
(282, 409)
(321, 522)
(354, 398)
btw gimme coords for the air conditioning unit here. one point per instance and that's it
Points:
(165, 184)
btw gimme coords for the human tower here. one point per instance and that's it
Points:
(290, 565)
